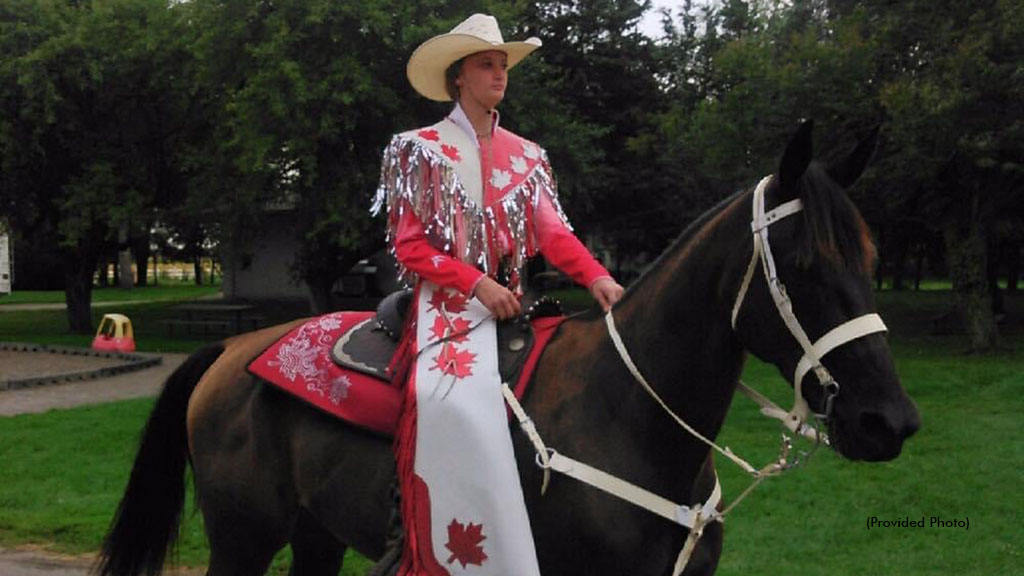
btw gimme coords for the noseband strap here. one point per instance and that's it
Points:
(846, 332)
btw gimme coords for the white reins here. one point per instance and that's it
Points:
(796, 420)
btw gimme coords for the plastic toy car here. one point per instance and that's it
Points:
(114, 334)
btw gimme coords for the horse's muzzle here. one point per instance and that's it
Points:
(874, 433)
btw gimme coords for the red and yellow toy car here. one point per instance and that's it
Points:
(114, 334)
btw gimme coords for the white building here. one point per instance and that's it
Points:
(5, 262)
(264, 270)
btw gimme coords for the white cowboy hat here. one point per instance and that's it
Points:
(477, 33)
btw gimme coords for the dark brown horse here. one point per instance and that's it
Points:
(271, 471)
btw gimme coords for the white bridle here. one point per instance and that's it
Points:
(797, 418)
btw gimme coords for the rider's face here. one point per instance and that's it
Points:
(483, 78)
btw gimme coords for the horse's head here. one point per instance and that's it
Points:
(820, 250)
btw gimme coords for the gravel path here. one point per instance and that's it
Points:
(64, 306)
(70, 394)
(34, 560)
(15, 365)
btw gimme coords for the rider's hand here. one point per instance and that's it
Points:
(498, 299)
(607, 292)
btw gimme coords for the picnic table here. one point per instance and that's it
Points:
(214, 318)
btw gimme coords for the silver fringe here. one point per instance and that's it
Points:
(454, 224)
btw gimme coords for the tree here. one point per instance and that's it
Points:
(956, 110)
(310, 93)
(946, 77)
(591, 97)
(93, 97)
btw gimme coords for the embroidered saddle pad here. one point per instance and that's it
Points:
(301, 363)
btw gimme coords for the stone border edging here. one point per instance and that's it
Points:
(133, 362)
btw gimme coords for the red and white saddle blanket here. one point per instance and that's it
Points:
(300, 364)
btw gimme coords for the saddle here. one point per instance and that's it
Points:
(369, 346)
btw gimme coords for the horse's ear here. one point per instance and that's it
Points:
(846, 171)
(796, 158)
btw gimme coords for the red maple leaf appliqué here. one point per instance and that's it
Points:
(451, 152)
(460, 330)
(440, 328)
(452, 302)
(429, 135)
(458, 363)
(457, 329)
(464, 543)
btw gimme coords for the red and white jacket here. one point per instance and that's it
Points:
(459, 206)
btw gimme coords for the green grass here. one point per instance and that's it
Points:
(164, 291)
(63, 471)
(63, 475)
(51, 327)
(148, 320)
(965, 462)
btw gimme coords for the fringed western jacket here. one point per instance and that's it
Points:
(459, 207)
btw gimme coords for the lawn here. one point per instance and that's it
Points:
(59, 484)
(148, 308)
(163, 291)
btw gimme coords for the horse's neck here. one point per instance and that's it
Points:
(675, 323)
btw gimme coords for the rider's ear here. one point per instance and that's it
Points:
(846, 171)
(796, 158)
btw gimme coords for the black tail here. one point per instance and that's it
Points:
(146, 523)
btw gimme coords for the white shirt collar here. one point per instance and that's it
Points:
(458, 115)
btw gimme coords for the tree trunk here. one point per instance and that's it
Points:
(103, 272)
(78, 270)
(1012, 266)
(142, 252)
(124, 270)
(992, 272)
(124, 260)
(141, 269)
(918, 269)
(899, 268)
(319, 295)
(880, 270)
(966, 252)
(197, 267)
